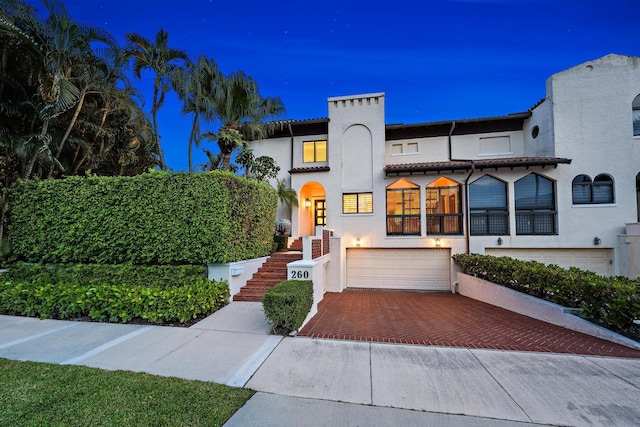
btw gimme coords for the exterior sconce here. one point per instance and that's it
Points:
(358, 243)
(438, 242)
(307, 203)
(499, 241)
(596, 241)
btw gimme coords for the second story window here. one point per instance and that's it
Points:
(488, 205)
(357, 203)
(444, 207)
(535, 205)
(403, 208)
(584, 191)
(314, 151)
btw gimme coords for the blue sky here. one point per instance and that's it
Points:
(434, 59)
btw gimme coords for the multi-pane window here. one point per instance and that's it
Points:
(584, 191)
(403, 208)
(357, 203)
(444, 207)
(535, 200)
(314, 151)
(488, 205)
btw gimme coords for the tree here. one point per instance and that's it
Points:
(242, 111)
(287, 196)
(194, 85)
(162, 60)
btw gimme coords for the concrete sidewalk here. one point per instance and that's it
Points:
(315, 382)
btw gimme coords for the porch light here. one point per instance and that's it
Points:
(307, 203)
(358, 242)
(438, 242)
(596, 241)
(499, 241)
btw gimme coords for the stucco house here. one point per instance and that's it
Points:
(558, 183)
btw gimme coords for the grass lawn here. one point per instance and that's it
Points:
(38, 394)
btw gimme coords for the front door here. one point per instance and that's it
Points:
(320, 212)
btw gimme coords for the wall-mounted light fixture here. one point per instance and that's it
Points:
(307, 203)
(499, 241)
(358, 243)
(596, 241)
(438, 242)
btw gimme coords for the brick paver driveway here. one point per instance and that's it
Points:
(445, 320)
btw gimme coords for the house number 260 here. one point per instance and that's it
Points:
(299, 274)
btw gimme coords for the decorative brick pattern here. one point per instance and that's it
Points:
(316, 248)
(445, 320)
(325, 241)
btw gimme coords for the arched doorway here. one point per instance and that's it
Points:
(312, 208)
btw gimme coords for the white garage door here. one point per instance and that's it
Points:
(415, 269)
(596, 260)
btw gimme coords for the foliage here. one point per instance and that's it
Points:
(241, 110)
(287, 196)
(42, 394)
(112, 302)
(154, 218)
(288, 304)
(161, 276)
(614, 300)
(66, 106)
(163, 61)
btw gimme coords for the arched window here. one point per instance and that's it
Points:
(585, 192)
(635, 110)
(535, 205)
(488, 205)
(444, 207)
(581, 189)
(403, 208)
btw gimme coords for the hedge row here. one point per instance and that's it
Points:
(614, 300)
(154, 218)
(288, 304)
(98, 274)
(113, 303)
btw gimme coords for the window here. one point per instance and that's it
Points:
(535, 205)
(444, 207)
(403, 208)
(488, 205)
(357, 203)
(584, 191)
(314, 151)
(404, 148)
(635, 110)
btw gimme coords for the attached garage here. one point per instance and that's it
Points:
(596, 260)
(410, 269)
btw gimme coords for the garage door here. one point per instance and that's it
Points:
(596, 260)
(415, 269)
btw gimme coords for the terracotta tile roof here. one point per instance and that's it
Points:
(467, 165)
(310, 169)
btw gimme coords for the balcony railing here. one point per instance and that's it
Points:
(489, 223)
(536, 222)
(444, 224)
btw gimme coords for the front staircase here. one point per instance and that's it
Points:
(272, 272)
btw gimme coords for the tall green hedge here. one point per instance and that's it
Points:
(154, 218)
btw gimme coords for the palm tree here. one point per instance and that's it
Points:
(163, 60)
(287, 196)
(242, 111)
(194, 85)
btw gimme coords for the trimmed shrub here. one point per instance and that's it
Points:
(113, 303)
(612, 300)
(288, 304)
(98, 274)
(154, 218)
